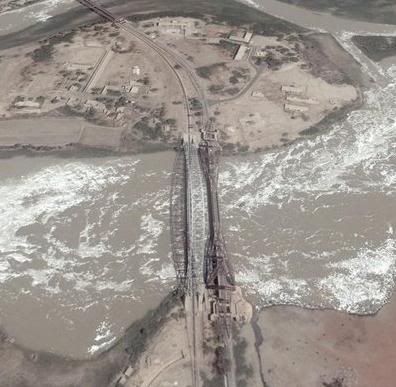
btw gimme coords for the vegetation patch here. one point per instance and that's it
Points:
(229, 47)
(239, 75)
(207, 71)
(42, 54)
(45, 51)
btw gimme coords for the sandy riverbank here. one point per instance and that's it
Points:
(312, 348)
(300, 347)
(20, 366)
(57, 133)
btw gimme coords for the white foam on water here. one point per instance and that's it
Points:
(104, 338)
(38, 204)
(152, 228)
(45, 10)
(166, 273)
(325, 164)
(65, 237)
(354, 161)
(364, 281)
(280, 290)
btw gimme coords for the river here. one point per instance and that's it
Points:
(84, 242)
(319, 21)
(84, 247)
(19, 19)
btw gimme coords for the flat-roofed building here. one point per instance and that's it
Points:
(28, 104)
(295, 109)
(78, 66)
(242, 37)
(292, 89)
(241, 52)
(248, 37)
(308, 101)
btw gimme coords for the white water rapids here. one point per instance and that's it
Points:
(84, 244)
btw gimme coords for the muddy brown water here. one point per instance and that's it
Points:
(318, 20)
(83, 248)
(19, 19)
(84, 242)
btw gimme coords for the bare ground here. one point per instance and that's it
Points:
(325, 348)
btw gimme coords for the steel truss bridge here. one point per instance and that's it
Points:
(198, 247)
(199, 253)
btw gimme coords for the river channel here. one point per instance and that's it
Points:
(84, 241)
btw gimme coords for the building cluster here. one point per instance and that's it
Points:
(243, 40)
(176, 26)
(295, 101)
(294, 98)
(104, 99)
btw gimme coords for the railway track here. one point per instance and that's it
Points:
(181, 71)
(168, 59)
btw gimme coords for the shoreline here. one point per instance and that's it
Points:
(74, 149)
(87, 150)
(328, 346)
(107, 144)
(129, 348)
(101, 369)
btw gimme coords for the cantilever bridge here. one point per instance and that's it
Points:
(196, 171)
(204, 273)
(198, 247)
(200, 258)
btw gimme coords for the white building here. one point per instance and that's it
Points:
(295, 109)
(308, 101)
(292, 89)
(242, 37)
(78, 66)
(241, 52)
(136, 70)
(28, 104)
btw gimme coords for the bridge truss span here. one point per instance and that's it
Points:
(178, 218)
